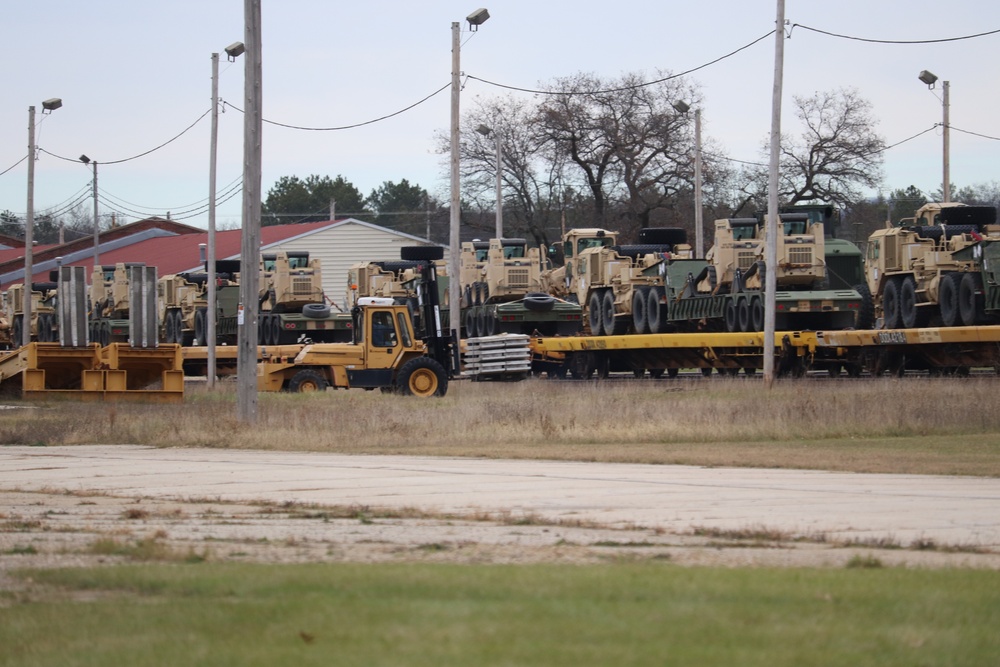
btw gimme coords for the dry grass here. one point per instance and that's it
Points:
(914, 425)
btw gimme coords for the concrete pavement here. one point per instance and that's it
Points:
(902, 508)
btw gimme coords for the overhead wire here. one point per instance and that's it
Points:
(343, 127)
(893, 41)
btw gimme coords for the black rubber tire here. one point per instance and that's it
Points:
(910, 315)
(17, 332)
(730, 316)
(656, 312)
(539, 302)
(276, 333)
(467, 297)
(756, 313)
(422, 377)
(657, 373)
(477, 298)
(595, 313)
(608, 312)
(421, 253)
(307, 380)
(640, 305)
(471, 327)
(481, 321)
(663, 235)
(316, 311)
(673, 372)
(490, 320)
(970, 299)
(866, 313)
(264, 330)
(891, 308)
(743, 314)
(707, 371)
(200, 326)
(713, 278)
(948, 299)
(169, 328)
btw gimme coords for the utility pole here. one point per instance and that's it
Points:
(496, 135)
(771, 229)
(454, 239)
(946, 137)
(97, 225)
(699, 214)
(210, 264)
(246, 369)
(29, 224)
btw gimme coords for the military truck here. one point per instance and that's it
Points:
(612, 282)
(917, 269)
(44, 320)
(109, 303)
(385, 350)
(503, 292)
(727, 292)
(183, 305)
(292, 304)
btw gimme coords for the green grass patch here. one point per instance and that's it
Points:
(420, 614)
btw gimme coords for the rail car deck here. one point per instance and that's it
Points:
(942, 349)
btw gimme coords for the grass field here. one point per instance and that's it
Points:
(913, 425)
(626, 614)
(179, 611)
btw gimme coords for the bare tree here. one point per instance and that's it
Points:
(633, 151)
(838, 152)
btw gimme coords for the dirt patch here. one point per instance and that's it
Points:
(41, 530)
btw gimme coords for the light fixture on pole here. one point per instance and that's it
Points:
(475, 19)
(930, 79)
(699, 217)
(232, 51)
(49, 106)
(97, 228)
(485, 131)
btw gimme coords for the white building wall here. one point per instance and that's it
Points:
(346, 243)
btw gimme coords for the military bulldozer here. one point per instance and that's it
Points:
(917, 270)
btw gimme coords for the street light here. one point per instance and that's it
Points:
(233, 51)
(699, 248)
(475, 19)
(930, 79)
(49, 106)
(97, 230)
(485, 131)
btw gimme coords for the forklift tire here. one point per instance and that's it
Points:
(422, 377)
(307, 380)
(418, 253)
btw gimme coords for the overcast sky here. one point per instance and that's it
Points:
(132, 75)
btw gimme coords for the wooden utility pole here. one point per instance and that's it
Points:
(246, 360)
(29, 224)
(771, 228)
(210, 264)
(454, 238)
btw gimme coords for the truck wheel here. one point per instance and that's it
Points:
(595, 315)
(743, 315)
(489, 321)
(970, 299)
(656, 313)
(948, 299)
(200, 326)
(316, 311)
(866, 313)
(276, 333)
(608, 312)
(732, 321)
(539, 302)
(422, 377)
(891, 312)
(471, 326)
(910, 315)
(168, 328)
(640, 310)
(756, 313)
(421, 253)
(307, 380)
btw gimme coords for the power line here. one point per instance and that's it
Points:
(134, 157)
(344, 127)
(894, 41)
(623, 88)
(13, 165)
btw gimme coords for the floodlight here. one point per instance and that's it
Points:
(235, 50)
(477, 18)
(681, 106)
(52, 104)
(927, 77)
